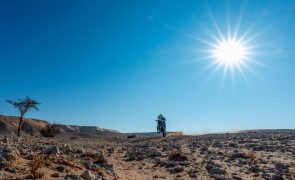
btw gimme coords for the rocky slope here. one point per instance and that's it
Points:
(9, 124)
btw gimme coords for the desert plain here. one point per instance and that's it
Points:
(255, 154)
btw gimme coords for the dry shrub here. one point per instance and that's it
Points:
(51, 130)
(175, 134)
(131, 136)
(36, 164)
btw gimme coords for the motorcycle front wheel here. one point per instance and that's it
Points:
(164, 134)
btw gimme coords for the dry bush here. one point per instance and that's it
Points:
(36, 164)
(131, 136)
(51, 130)
(175, 134)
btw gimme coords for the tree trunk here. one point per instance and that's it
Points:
(19, 125)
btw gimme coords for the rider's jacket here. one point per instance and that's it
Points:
(161, 122)
(162, 119)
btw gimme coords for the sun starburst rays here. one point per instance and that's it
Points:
(231, 51)
(228, 50)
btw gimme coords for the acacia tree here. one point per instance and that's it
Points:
(23, 106)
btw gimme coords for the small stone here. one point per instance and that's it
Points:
(203, 149)
(55, 175)
(52, 150)
(61, 168)
(254, 169)
(177, 156)
(2, 159)
(240, 155)
(11, 170)
(87, 175)
(235, 177)
(176, 169)
(91, 166)
(277, 177)
(281, 167)
(5, 140)
(72, 177)
(9, 154)
(192, 173)
(29, 157)
(79, 151)
(214, 168)
(218, 177)
(66, 148)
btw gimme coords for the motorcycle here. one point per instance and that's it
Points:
(161, 127)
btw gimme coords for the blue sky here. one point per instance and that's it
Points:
(117, 64)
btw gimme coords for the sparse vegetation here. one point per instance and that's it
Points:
(51, 130)
(131, 136)
(23, 106)
(36, 164)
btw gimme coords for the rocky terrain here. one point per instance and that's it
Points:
(263, 154)
(9, 124)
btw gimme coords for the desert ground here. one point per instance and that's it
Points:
(261, 154)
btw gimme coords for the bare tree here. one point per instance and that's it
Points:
(23, 106)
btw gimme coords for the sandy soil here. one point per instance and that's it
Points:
(266, 154)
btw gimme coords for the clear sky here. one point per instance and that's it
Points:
(118, 64)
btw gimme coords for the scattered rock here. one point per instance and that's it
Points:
(241, 155)
(72, 177)
(5, 140)
(176, 169)
(60, 168)
(189, 157)
(254, 169)
(203, 149)
(218, 177)
(87, 175)
(192, 173)
(91, 166)
(55, 175)
(277, 177)
(235, 177)
(29, 157)
(140, 153)
(281, 167)
(11, 170)
(214, 168)
(52, 150)
(66, 148)
(9, 154)
(177, 156)
(100, 159)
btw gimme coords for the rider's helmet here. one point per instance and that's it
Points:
(160, 116)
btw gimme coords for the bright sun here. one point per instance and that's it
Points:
(230, 52)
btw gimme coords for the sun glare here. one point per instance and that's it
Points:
(229, 49)
(230, 52)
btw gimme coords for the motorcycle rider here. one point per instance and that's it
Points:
(161, 122)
